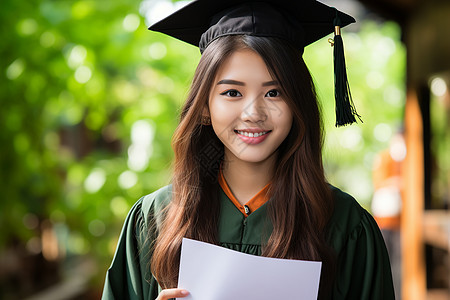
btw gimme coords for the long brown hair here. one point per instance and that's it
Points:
(300, 204)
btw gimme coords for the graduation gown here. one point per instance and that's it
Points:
(363, 270)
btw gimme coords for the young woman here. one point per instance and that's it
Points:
(248, 176)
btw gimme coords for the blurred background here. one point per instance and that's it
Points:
(90, 99)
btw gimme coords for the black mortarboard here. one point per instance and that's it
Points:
(300, 22)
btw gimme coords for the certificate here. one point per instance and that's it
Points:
(210, 272)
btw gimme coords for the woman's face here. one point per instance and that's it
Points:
(247, 109)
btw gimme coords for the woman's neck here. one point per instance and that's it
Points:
(246, 179)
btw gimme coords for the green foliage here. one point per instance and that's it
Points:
(76, 77)
(83, 84)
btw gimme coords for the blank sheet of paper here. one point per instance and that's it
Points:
(211, 272)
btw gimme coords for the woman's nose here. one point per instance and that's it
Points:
(255, 109)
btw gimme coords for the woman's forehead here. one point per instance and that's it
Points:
(244, 65)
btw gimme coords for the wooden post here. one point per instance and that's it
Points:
(413, 270)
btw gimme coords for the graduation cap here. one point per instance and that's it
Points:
(300, 22)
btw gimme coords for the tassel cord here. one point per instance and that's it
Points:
(345, 108)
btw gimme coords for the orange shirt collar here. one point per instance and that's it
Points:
(253, 204)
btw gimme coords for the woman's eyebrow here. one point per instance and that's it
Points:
(235, 82)
(231, 81)
(270, 83)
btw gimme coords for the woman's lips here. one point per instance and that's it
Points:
(252, 136)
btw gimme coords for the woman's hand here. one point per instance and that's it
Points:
(172, 293)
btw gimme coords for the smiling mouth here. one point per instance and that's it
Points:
(252, 134)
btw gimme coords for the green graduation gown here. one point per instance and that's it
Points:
(363, 270)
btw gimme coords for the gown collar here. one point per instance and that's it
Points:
(253, 204)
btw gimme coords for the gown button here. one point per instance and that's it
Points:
(247, 210)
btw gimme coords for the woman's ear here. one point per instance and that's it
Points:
(206, 119)
(205, 111)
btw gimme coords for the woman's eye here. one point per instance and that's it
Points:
(273, 93)
(231, 93)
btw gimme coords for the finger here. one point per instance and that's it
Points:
(172, 293)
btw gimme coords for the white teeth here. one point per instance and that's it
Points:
(251, 134)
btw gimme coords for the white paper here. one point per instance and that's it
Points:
(211, 272)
